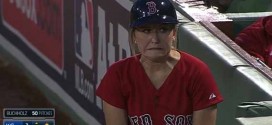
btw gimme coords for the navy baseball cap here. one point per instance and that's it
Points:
(152, 12)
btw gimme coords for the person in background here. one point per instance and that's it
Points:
(160, 85)
(256, 39)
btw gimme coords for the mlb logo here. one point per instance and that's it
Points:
(84, 45)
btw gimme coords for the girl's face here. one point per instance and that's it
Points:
(155, 40)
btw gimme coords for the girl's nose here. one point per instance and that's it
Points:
(155, 37)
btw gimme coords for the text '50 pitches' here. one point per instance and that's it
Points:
(13, 113)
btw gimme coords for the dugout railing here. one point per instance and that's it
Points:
(240, 78)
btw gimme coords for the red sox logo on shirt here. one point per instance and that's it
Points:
(168, 119)
(151, 7)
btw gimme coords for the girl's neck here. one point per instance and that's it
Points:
(168, 61)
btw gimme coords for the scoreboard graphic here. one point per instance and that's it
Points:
(28, 122)
(29, 116)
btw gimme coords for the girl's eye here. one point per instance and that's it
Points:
(145, 30)
(165, 29)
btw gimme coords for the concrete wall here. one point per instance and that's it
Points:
(237, 80)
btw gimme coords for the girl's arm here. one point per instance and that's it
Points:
(205, 116)
(114, 115)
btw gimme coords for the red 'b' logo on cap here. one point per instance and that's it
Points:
(151, 7)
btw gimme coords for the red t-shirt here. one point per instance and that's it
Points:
(256, 39)
(189, 87)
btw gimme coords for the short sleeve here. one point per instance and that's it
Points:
(253, 39)
(249, 40)
(109, 89)
(204, 89)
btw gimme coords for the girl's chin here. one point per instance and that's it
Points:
(156, 55)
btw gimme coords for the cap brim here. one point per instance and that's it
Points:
(154, 20)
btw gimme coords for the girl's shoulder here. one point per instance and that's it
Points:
(125, 63)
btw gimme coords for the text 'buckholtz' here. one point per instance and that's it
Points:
(29, 113)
